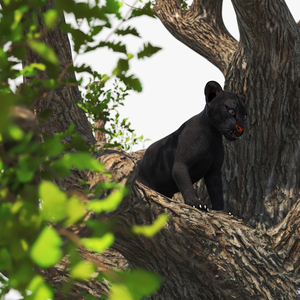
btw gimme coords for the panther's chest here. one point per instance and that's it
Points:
(213, 159)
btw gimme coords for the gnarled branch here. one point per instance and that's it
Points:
(201, 28)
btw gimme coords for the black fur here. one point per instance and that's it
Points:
(195, 150)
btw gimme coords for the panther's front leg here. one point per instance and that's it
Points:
(184, 183)
(213, 182)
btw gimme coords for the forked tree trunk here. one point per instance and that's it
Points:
(261, 173)
(212, 255)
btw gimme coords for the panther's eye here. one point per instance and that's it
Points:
(231, 111)
(245, 117)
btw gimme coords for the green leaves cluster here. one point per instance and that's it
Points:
(35, 214)
(103, 103)
(34, 217)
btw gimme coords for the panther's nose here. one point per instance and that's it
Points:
(239, 128)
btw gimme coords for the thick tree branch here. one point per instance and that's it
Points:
(265, 26)
(200, 27)
(286, 241)
(203, 255)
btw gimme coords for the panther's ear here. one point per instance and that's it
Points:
(243, 97)
(212, 89)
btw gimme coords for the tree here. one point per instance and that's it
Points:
(263, 65)
(213, 255)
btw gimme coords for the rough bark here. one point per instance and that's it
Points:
(201, 28)
(62, 102)
(261, 171)
(201, 255)
(207, 255)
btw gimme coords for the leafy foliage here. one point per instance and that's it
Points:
(34, 212)
(103, 103)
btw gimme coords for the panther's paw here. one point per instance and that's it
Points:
(202, 207)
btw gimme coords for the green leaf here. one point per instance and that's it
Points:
(46, 52)
(151, 230)
(18, 14)
(83, 161)
(132, 83)
(15, 132)
(148, 51)
(136, 284)
(98, 244)
(79, 160)
(46, 251)
(53, 202)
(113, 7)
(52, 147)
(144, 11)
(121, 68)
(128, 30)
(32, 69)
(24, 175)
(75, 210)
(51, 17)
(116, 47)
(39, 289)
(83, 270)
(108, 204)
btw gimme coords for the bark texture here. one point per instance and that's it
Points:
(210, 255)
(62, 102)
(199, 255)
(261, 171)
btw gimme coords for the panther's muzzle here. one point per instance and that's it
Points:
(236, 133)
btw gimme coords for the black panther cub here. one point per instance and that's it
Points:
(195, 150)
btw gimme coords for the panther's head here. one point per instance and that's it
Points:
(226, 110)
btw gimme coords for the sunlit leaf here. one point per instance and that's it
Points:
(54, 202)
(18, 14)
(135, 284)
(32, 69)
(108, 204)
(82, 161)
(151, 230)
(51, 18)
(75, 210)
(15, 132)
(98, 244)
(46, 251)
(83, 270)
(120, 291)
(46, 52)
(39, 289)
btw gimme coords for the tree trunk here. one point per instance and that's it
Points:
(62, 102)
(210, 255)
(261, 173)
